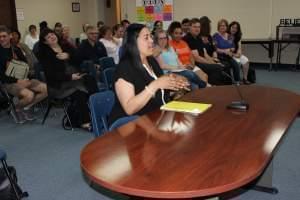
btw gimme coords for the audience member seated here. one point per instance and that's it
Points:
(100, 24)
(66, 38)
(169, 62)
(125, 23)
(140, 85)
(63, 79)
(185, 24)
(32, 37)
(91, 49)
(111, 45)
(28, 92)
(200, 50)
(83, 35)
(225, 47)
(236, 35)
(118, 33)
(182, 49)
(58, 29)
(157, 26)
(29, 55)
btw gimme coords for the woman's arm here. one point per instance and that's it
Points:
(199, 58)
(239, 50)
(132, 102)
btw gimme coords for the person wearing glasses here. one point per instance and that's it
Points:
(91, 49)
(139, 82)
(169, 62)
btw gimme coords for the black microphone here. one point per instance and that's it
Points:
(240, 105)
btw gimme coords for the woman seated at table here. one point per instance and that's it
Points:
(140, 85)
(169, 62)
(62, 79)
(236, 35)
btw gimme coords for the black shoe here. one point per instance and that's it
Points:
(246, 82)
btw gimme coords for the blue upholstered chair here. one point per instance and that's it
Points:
(122, 121)
(17, 191)
(106, 62)
(100, 105)
(108, 77)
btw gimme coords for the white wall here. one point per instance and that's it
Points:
(54, 11)
(258, 18)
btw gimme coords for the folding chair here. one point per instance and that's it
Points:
(19, 194)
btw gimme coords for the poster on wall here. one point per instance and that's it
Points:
(149, 11)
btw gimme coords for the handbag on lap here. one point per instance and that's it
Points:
(16, 68)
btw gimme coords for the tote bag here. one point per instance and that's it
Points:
(17, 69)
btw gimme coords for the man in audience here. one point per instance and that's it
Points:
(199, 50)
(28, 92)
(185, 24)
(91, 49)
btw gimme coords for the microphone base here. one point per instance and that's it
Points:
(238, 106)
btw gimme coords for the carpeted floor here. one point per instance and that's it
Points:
(47, 157)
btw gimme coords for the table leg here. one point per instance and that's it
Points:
(264, 183)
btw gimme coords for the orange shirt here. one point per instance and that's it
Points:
(183, 51)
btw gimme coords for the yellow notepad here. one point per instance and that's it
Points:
(188, 107)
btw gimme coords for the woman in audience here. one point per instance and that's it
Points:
(140, 85)
(58, 29)
(62, 79)
(118, 33)
(225, 48)
(29, 55)
(32, 37)
(182, 49)
(66, 38)
(125, 23)
(157, 26)
(236, 35)
(169, 62)
(111, 45)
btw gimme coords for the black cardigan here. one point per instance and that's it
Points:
(55, 69)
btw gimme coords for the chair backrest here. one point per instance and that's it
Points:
(88, 66)
(108, 77)
(100, 105)
(121, 121)
(106, 62)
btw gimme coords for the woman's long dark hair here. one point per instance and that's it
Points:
(205, 26)
(237, 36)
(130, 49)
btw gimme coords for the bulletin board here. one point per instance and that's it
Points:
(149, 11)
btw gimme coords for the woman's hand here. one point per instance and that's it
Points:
(170, 82)
(76, 76)
(62, 56)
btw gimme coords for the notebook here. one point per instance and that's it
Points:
(187, 107)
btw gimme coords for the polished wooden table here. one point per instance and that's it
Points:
(176, 155)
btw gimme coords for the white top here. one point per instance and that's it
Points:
(30, 41)
(112, 49)
(82, 36)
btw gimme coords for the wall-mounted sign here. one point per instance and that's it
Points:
(289, 22)
(20, 14)
(149, 11)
